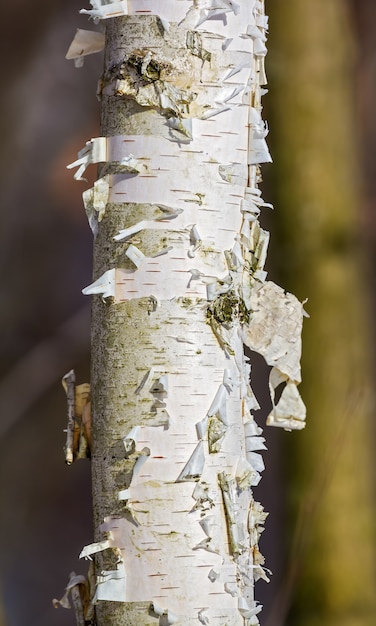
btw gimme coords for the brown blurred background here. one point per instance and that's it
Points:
(318, 485)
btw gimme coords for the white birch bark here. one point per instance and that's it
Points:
(179, 286)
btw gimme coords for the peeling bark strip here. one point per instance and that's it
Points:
(78, 440)
(179, 287)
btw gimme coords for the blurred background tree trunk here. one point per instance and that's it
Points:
(317, 246)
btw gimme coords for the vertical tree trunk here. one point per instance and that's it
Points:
(179, 257)
(316, 187)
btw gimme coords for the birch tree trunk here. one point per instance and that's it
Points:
(180, 285)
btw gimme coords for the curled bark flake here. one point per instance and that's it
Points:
(216, 434)
(80, 590)
(78, 440)
(69, 382)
